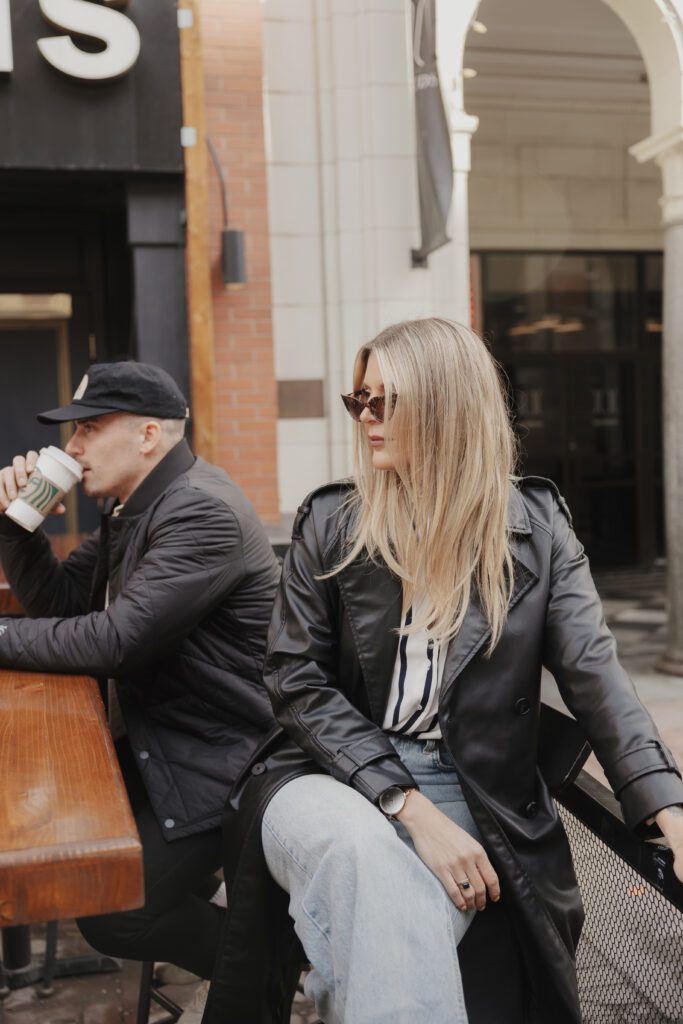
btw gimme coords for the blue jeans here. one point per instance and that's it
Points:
(376, 924)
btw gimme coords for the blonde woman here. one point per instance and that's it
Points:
(417, 606)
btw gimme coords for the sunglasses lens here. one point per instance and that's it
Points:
(376, 407)
(353, 406)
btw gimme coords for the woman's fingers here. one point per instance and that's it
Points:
(489, 877)
(468, 882)
(678, 862)
(452, 854)
(464, 884)
(453, 890)
(479, 887)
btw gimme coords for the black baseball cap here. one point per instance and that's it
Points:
(139, 388)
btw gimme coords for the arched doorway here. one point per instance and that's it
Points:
(566, 241)
(656, 27)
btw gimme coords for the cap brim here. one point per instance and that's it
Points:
(73, 412)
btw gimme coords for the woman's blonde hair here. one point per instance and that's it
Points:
(439, 520)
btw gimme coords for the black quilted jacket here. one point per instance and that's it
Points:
(192, 579)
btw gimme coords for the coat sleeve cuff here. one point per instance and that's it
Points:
(372, 780)
(370, 768)
(651, 756)
(10, 529)
(645, 796)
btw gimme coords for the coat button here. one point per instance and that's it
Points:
(258, 768)
(522, 706)
(531, 809)
(144, 754)
(169, 823)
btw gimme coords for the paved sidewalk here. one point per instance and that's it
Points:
(635, 611)
(99, 999)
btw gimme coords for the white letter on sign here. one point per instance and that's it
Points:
(89, 19)
(6, 62)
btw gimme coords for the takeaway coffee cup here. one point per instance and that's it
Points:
(54, 475)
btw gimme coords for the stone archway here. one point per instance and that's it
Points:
(657, 29)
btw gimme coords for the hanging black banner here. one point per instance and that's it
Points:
(434, 158)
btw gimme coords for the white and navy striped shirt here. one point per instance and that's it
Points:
(412, 708)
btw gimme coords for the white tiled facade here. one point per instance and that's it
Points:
(343, 206)
(550, 170)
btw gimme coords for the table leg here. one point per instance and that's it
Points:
(17, 969)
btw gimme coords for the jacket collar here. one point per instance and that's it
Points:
(517, 516)
(373, 599)
(175, 462)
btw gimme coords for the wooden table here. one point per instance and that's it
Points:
(68, 842)
(9, 604)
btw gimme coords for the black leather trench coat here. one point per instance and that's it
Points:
(329, 665)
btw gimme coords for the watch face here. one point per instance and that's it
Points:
(392, 800)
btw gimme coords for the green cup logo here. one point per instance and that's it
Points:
(39, 493)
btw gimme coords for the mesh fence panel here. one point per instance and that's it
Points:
(630, 957)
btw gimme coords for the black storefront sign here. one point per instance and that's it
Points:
(52, 119)
(434, 158)
(91, 198)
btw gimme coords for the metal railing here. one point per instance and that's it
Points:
(630, 957)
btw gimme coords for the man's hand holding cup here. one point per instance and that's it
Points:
(33, 486)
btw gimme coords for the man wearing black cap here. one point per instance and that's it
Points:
(169, 601)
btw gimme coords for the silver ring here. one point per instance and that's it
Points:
(464, 885)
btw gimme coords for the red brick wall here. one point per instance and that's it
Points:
(246, 396)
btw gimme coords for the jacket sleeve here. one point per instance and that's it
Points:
(43, 584)
(301, 676)
(580, 651)
(193, 559)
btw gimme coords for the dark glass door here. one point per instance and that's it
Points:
(578, 336)
(576, 422)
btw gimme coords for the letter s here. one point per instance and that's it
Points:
(86, 18)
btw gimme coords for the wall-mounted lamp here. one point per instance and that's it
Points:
(479, 26)
(469, 73)
(233, 263)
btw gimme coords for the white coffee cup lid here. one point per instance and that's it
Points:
(66, 460)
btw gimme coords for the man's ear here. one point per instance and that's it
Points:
(150, 437)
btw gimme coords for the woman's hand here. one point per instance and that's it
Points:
(450, 853)
(670, 822)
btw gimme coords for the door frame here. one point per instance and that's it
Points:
(647, 362)
(48, 312)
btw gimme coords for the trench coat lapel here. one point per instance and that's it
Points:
(373, 598)
(475, 633)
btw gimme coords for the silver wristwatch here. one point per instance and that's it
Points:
(393, 800)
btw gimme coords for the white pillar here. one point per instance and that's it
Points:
(667, 150)
(671, 163)
(452, 263)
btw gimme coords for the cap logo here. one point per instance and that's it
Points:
(81, 389)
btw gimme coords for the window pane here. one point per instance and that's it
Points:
(560, 303)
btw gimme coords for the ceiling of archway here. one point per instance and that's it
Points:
(553, 49)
